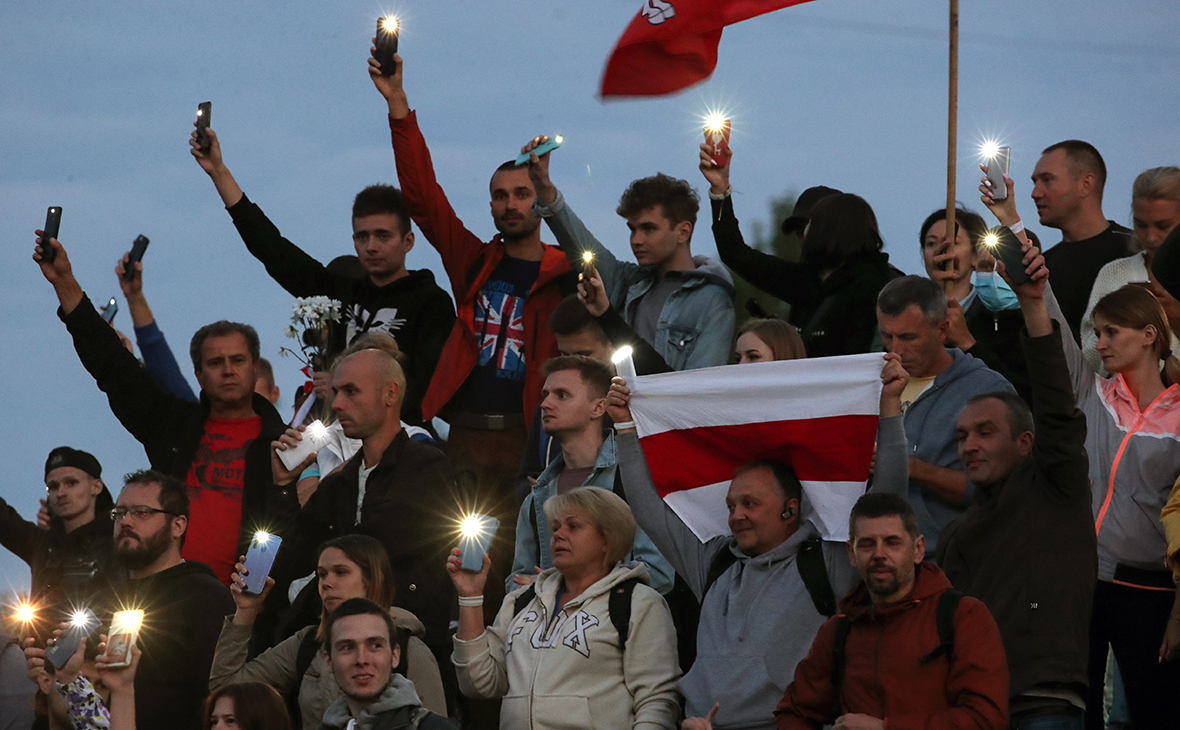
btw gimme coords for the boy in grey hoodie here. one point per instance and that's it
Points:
(361, 652)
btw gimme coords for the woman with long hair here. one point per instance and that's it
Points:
(246, 706)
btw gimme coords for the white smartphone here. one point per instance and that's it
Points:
(315, 437)
(997, 168)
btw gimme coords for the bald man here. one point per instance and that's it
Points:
(398, 490)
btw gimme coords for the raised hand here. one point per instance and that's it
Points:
(281, 474)
(718, 177)
(249, 605)
(1004, 210)
(618, 401)
(467, 584)
(209, 159)
(894, 380)
(592, 293)
(538, 167)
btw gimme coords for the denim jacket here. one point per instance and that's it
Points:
(695, 328)
(605, 472)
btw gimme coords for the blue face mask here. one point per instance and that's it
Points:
(994, 292)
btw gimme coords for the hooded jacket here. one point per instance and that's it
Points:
(397, 708)
(564, 669)
(883, 674)
(469, 263)
(1026, 548)
(317, 687)
(930, 432)
(695, 327)
(413, 309)
(836, 315)
(170, 428)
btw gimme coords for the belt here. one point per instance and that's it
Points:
(486, 421)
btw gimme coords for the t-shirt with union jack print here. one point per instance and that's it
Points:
(496, 385)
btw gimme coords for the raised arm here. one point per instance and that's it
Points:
(157, 356)
(891, 460)
(592, 294)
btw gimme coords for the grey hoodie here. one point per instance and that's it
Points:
(757, 620)
(399, 699)
(930, 432)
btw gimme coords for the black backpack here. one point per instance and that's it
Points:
(948, 602)
(619, 606)
(810, 561)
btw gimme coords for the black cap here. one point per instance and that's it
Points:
(809, 197)
(65, 456)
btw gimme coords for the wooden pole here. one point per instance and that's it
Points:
(952, 124)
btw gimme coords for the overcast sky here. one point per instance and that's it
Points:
(97, 102)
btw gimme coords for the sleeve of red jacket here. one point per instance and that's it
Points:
(428, 205)
(807, 704)
(978, 682)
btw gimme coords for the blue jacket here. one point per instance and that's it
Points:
(695, 328)
(930, 432)
(532, 527)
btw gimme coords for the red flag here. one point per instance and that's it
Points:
(672, 44)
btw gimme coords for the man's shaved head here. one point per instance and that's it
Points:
(384, 365)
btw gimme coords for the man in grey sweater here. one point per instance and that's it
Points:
(758, 617)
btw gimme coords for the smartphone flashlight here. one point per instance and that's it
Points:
(52, 226)
(717, 129)
(475, 537)
(204, 114)
(388, 29)
(588, 270)
(124, 632)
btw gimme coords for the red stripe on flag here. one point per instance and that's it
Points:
(833, 449)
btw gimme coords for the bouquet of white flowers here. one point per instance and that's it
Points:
(309, 328)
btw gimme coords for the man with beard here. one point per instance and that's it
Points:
(183, 603)
(488, 383)
(906, 650)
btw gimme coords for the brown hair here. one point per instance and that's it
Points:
(257, 706)
(1134, 307)
(595, 375)
(781, 337)
(372, 559)
(1083, 157)
(675, 197)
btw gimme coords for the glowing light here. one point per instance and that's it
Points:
(200, 112)
(471, 526)
(991, 239)
(80, 619)
(391, 24)
(588, 257)
(559, 139)
(621, 354)
(126, 622)
(317, 430)
(715, 122)
(989, 149)
(262, 537)
(26, 613)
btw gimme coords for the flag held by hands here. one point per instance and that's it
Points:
(819, 416)
(672, 44)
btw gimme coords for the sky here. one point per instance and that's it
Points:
(97, 102)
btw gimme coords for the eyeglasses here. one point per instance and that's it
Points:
(139, 513)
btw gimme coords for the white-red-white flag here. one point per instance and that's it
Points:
(817, 415)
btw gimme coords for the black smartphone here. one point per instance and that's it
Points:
(387, 31)
(81, 624)
(137, 250)
(52, 225)
(1008, 249)
(204, 112)
(110, 310)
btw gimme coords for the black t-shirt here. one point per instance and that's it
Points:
(1074, 266)
(496, 385)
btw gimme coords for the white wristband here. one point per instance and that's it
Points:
(626, 426)
(1016, 227)
(471, 601)
(722, 196)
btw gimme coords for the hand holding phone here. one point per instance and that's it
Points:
(82, 622)
(554, 142)
(717, 137)
(1008, 249)
(260, 557)
(110, 310)
(52, 225)
(388, 29)
(997, 168)
(138, 248)
(124, 633)
(477, 532)
(204, 118)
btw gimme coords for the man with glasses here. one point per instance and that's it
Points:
(184, 604)
(389, 298)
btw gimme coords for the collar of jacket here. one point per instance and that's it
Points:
(553, 265)
(929, 582)
(608, 456)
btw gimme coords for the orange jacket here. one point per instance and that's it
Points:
(469, 262)
(883, 676)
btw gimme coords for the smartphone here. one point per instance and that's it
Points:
(387, 31)
(553, 143)
(997, 168)
(81, 624)
(478, 531)
(111, 309)
(137, 250)
(52, 225)
(315, 437)
(124, 632)
(1009, 250)
(204, 115)
(717, 137)
(259, 559)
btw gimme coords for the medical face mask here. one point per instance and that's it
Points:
(994, 292)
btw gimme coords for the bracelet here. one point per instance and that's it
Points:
(625, 426)
(471, 601)
(1016, 227)
(722, 196)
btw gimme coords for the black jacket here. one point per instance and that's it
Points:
(184, 608)
(170, 428)
(836, 315)
(997, 343)
(413, 309)
(411, 506)
(1027, 547)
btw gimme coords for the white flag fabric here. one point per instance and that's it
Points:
(817, 415)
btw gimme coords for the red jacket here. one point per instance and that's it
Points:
(469, 263)
(883, 677)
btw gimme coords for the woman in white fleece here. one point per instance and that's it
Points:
(560, 661)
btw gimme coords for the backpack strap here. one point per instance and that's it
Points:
(815, 576)
(839, 643)
(948, 603)
(523, 600)
(308, 646)
(619, 607)
(718, 565)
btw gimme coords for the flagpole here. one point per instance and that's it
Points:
(952, 127)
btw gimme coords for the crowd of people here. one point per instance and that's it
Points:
(1012, 562)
